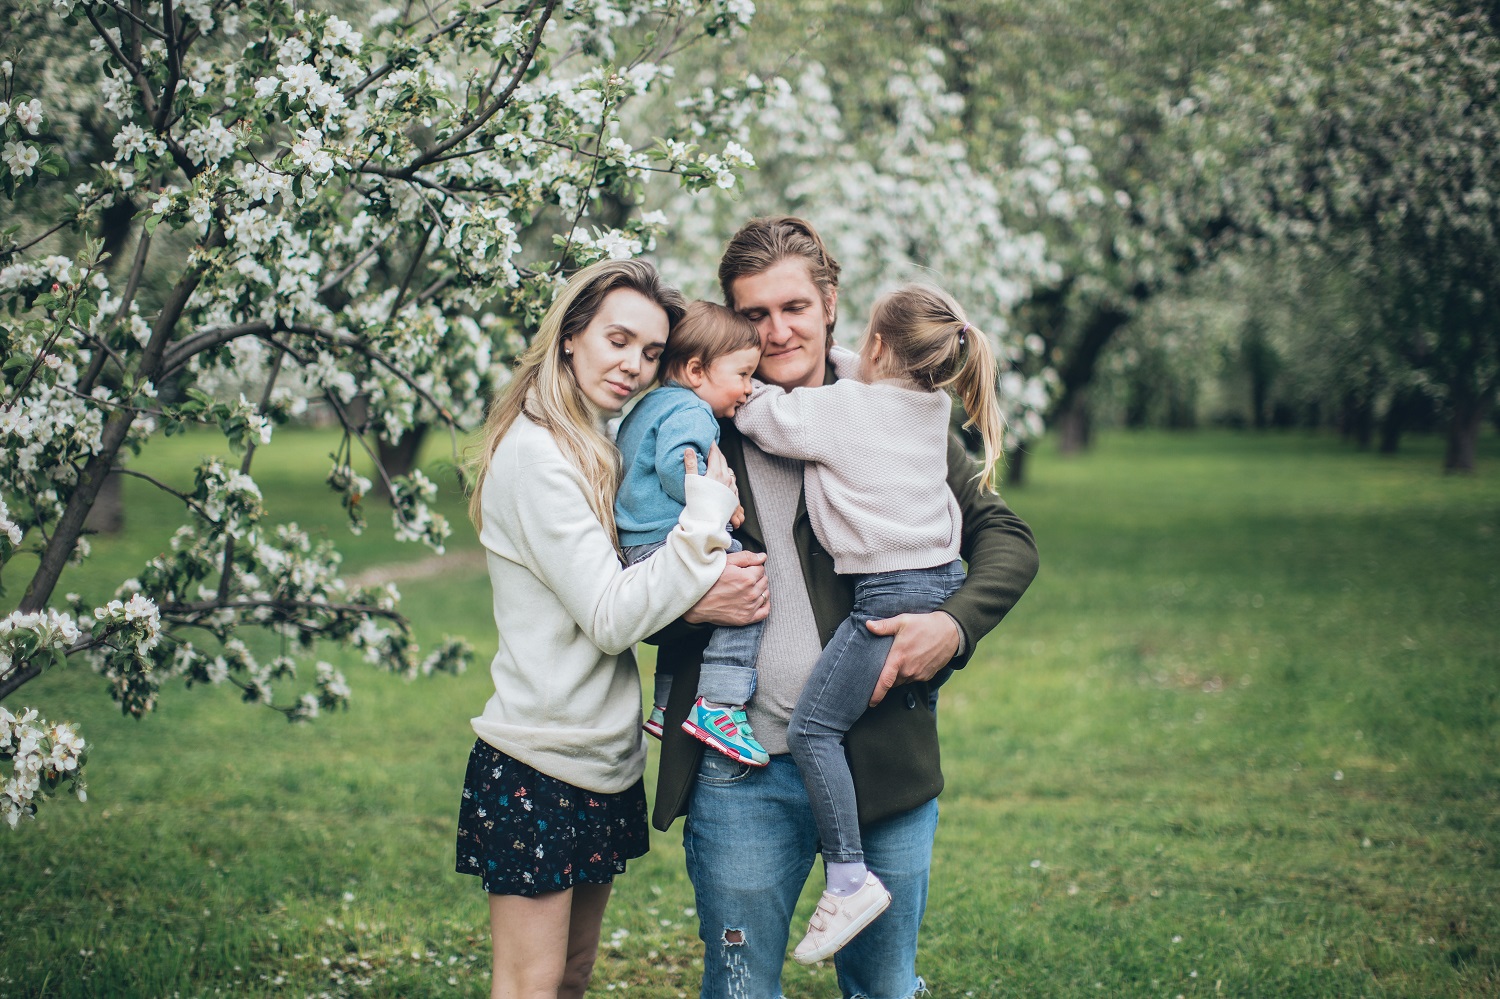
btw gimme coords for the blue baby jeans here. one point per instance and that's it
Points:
(728, 673)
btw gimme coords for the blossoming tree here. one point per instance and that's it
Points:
(895, 197)
(376, 214)
(1370, 141)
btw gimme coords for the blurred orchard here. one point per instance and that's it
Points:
(232, 215)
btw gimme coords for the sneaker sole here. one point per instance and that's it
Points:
(703, 735)
(651, 728)
(841, 941)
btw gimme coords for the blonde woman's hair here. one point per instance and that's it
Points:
(927, 338)
(707, 332)
(545, 390)
(762, 243)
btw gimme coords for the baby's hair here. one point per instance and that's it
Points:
(707, 332)
(927, 339)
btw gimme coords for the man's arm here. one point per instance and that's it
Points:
(1002, 560)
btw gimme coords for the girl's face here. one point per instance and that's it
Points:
(616, 354)
(725, 383)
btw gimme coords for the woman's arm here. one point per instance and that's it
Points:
(541, 509)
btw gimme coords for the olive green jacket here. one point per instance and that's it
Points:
(892, 749)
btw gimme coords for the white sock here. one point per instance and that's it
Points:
(846, 879)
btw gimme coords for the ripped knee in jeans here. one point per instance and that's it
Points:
(738, 979)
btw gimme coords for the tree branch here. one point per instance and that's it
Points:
(500, 102)
(186, 499)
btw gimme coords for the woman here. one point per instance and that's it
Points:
(553, 802)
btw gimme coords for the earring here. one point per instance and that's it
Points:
(567, 352)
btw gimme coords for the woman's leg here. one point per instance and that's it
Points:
(544, 947)
(583, 938)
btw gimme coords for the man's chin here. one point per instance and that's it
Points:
(792, 374)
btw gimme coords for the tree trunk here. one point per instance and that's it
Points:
(1073, 426)
(107, 515)
(1358, 418)
(1463, 437)
(1078, 373)
(1015, 467)
(399, 457)
(1393, 423)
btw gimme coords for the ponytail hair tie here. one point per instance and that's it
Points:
(961, 334)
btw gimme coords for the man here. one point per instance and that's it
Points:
(750, 838)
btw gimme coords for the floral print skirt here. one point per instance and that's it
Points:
(524, 833)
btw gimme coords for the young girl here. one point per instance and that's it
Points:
(877, 495)
(553, 801)
(706, 368)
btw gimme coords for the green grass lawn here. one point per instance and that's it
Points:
(1242, 738)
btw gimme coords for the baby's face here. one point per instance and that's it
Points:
(726, 382)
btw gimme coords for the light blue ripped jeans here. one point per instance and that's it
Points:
(750, 840)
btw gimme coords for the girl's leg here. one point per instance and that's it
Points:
(839, 691)
(836, 695)
(544, 947)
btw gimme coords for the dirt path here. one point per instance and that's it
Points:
(426, 568)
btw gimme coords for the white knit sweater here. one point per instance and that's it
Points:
(567, 695)
(876, 477)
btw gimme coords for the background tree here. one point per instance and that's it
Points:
(377, 214)
(1369, 137)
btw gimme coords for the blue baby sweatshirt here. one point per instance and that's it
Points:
(652, 437)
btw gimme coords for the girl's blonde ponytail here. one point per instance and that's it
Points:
(927, 339)
(975, 384)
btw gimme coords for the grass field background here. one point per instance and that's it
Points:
(1241, 738)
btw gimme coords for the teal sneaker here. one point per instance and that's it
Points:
(655, 722)
(726, 730)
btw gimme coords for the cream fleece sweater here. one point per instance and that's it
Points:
(567, 695)
(876, 477)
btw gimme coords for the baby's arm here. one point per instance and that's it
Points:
(687, 428)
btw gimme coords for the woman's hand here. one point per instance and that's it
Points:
(718, 468)
(741, 596)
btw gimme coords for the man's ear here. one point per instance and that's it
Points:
(831, 309)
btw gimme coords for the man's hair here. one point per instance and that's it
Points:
(762, 243)
(707, 331)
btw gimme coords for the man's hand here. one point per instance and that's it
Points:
(924, 644)
(741, 595)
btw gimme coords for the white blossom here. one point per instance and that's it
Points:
(20, 158)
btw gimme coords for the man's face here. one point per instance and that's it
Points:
(791, 315)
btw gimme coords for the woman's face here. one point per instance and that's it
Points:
(791, 314)
(616, 354)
